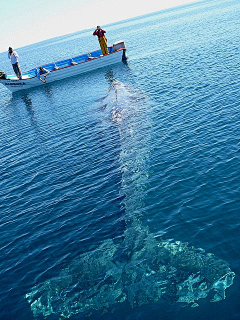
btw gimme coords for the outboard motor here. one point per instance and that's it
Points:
(120, 45)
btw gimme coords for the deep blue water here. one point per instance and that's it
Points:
(156, 139)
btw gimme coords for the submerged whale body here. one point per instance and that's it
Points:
(140, 269)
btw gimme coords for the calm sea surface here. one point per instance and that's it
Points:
(152, 145)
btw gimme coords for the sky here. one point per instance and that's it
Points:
(24, 22)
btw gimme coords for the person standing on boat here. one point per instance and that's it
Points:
(15, 63)
(102, 39)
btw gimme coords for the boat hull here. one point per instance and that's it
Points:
(66, 72)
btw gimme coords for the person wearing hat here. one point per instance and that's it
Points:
(102, 39)
(15, 63)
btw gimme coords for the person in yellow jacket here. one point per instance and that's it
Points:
(102, 39)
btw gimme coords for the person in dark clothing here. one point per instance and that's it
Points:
(3, 75)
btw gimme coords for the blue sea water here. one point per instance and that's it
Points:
(155, 140)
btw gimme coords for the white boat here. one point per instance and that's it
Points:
(67, 68)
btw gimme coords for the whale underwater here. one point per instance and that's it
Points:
(139, 268)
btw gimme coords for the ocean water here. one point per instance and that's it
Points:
(119, 189)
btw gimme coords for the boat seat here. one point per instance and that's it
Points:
(96, 54)
(79, 59)
(64, 63)
(49, 67)
(30, 73)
